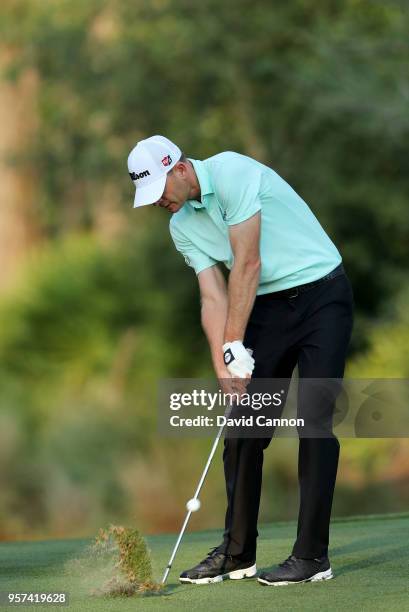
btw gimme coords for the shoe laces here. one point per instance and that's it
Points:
(292, 559)
(288, 562)
(213, 553)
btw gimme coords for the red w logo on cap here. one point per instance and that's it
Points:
(167, 160)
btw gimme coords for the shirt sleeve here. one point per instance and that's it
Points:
(194, 257)
(237, 188)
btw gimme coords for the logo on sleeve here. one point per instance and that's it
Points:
(187, 260)
(167, 160)
(223, 212)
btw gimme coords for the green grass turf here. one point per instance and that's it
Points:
(369, 556)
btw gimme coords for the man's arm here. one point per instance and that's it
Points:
(244, 276)
(213, 293)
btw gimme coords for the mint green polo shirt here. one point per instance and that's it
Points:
(294, 248)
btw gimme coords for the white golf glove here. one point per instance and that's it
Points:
(238, 359)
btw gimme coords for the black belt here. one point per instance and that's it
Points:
(294, 291)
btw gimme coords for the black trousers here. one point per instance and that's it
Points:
(312, 330)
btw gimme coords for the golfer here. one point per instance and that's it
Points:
(287, 298)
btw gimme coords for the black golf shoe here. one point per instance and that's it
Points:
(216, 566)
(294, 570)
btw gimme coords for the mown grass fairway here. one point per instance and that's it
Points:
(369, 556)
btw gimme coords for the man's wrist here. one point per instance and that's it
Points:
(219, 368)
(218, 361)
(232, 338)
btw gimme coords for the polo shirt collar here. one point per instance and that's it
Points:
(204, 182)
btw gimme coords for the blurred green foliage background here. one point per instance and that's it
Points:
(100, 305)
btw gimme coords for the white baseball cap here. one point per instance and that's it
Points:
(148, 164)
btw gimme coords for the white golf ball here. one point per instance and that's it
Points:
(193, 504)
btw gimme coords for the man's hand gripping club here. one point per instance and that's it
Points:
(238, 359)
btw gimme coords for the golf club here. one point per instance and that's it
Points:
(195, 501)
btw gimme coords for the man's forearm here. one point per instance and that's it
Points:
(242, 288)
(214, 314)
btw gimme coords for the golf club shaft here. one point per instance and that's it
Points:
(182, 531)
(209, 460)
(199, 486)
